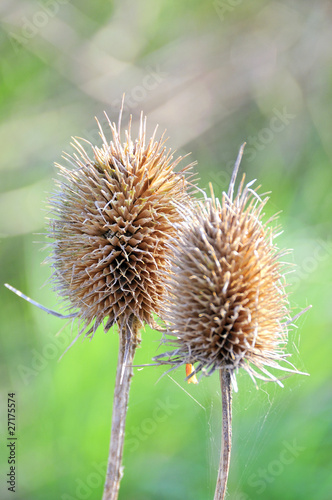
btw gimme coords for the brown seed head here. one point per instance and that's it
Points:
(114, 215)
(227, 307)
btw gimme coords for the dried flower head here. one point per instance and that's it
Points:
(226, 306)
(114, 215)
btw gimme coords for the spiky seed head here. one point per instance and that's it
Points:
(114, 214)
(226, 306)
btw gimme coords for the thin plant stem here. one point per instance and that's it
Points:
(226, 437)
(124, 373)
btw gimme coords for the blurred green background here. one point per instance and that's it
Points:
(214, 74)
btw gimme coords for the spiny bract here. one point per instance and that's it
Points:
(226, 306)
(114, 215)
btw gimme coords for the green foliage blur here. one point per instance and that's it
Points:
(214, 74)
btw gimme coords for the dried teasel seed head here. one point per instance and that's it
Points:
(226, 306)
(114, 214)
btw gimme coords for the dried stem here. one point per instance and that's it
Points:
(226, 438)
(124, 372)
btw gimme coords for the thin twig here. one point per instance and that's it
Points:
(124, 372)
(226, 438)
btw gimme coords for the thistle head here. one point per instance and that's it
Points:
(113, 216)
(226, 306)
